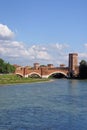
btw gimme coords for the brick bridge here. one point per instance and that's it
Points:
(46, 71)
(43, 72)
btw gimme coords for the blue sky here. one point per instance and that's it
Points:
(42, 31)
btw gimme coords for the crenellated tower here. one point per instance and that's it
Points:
(73, 63)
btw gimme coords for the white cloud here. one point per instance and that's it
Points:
(60, 46)
(85, 44)
(55, 53)
(18, 52)
(43, 55)
(10, 48)
(36, 53)
(5, 32)
(18, 49)
(16, 44)
(39, 52)
(83, 55)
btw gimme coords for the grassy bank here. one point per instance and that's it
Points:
(14, 79)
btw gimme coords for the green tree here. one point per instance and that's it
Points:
(1, 65)
(6, 67)
(1, 61)
(83, 69)
(83, 62)
(12, 68)
(4, 70)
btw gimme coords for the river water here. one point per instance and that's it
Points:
(57, 105)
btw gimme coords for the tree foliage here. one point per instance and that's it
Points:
(6, 67)
(83, 69)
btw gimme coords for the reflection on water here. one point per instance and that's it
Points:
(57, 105)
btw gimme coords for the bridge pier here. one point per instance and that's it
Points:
(26, 76)
(45, 76)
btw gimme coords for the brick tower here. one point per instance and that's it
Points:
(36, 65)
(73, 63)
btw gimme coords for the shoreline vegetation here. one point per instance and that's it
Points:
(14, 79)
(9, 79)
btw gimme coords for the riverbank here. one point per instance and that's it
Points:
(14, 79)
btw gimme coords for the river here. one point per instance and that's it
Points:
(57, 105)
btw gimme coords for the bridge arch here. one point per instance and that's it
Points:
(20, 74)
(58, 72)
(33, 73)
